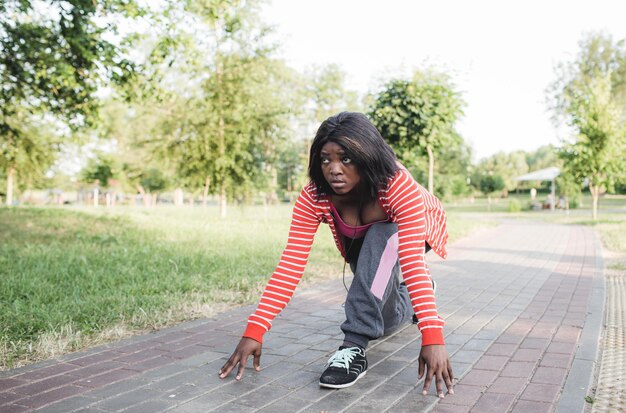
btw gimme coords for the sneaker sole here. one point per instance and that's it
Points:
(343, 386)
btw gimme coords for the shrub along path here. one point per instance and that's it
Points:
(523, 306)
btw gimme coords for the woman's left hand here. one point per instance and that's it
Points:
(434, 361)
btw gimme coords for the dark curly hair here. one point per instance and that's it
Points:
(362, 143)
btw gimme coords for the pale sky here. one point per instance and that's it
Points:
(500, 54)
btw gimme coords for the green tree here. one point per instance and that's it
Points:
(30, 150)
(541, 158)
(100, 169)
(490, 184)
(506, 165)
(129, 131)
(53, 58)
(320, 93)
(453, 169)
(232, 114)
(152, 182)
(291, 164)
(417, 116)
(598, 154)
(590, 97)
(569, 187)
(327, 92)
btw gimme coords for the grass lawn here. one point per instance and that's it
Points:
(73, 278)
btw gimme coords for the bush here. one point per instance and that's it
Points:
(491, 183)
(515, 205)
(449, 187)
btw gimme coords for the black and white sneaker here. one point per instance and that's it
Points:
(344, 368)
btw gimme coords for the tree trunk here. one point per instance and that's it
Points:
(431, 167)
(10, 177)
(96, 196)
(223, 202)
(205, 194)
(595, 194)
(272, 196)
(221, 129)
(488, 203)
(145, 197)
(222, 144)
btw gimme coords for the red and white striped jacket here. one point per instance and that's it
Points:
(420, 218)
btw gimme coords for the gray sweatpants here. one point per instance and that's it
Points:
(377, 302)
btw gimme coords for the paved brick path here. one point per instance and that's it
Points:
(515, 300)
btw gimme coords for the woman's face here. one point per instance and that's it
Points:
(339, 171)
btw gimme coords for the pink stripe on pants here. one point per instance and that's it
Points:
(385, 266)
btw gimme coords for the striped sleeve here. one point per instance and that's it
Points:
(408, 204)
(287, 275)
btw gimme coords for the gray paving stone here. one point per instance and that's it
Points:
(329, 345)
(235, 407)
(466, 356)
(277, 370)
(286, 404)
(307, 356)
(477, 344)
(408, 376)
(286, 350)
(407, 354)
(126, 400)
(263, 396)
(297, 379)
(380, 399)
(151, 406)
(335, 400)
(195, 406)
(238, 388)
(117, 388)
(310, 392)
(68, 405)
(458, 337)
(184, 393)
(413, 401)
(172, 382)
(164, 372)
(488, 334)
(211, 398)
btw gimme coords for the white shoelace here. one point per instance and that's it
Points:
(343, 357)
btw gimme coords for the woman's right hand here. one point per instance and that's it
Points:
(246, 347)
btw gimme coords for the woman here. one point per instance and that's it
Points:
(383, 223)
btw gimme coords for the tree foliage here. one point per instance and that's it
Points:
(29, 152)
(327, 94)
(543, 157)
(507, 166)
(590, 97)
(417, 116)
(491, 183)
(53, 58)
(100, 170)
(230, 117)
